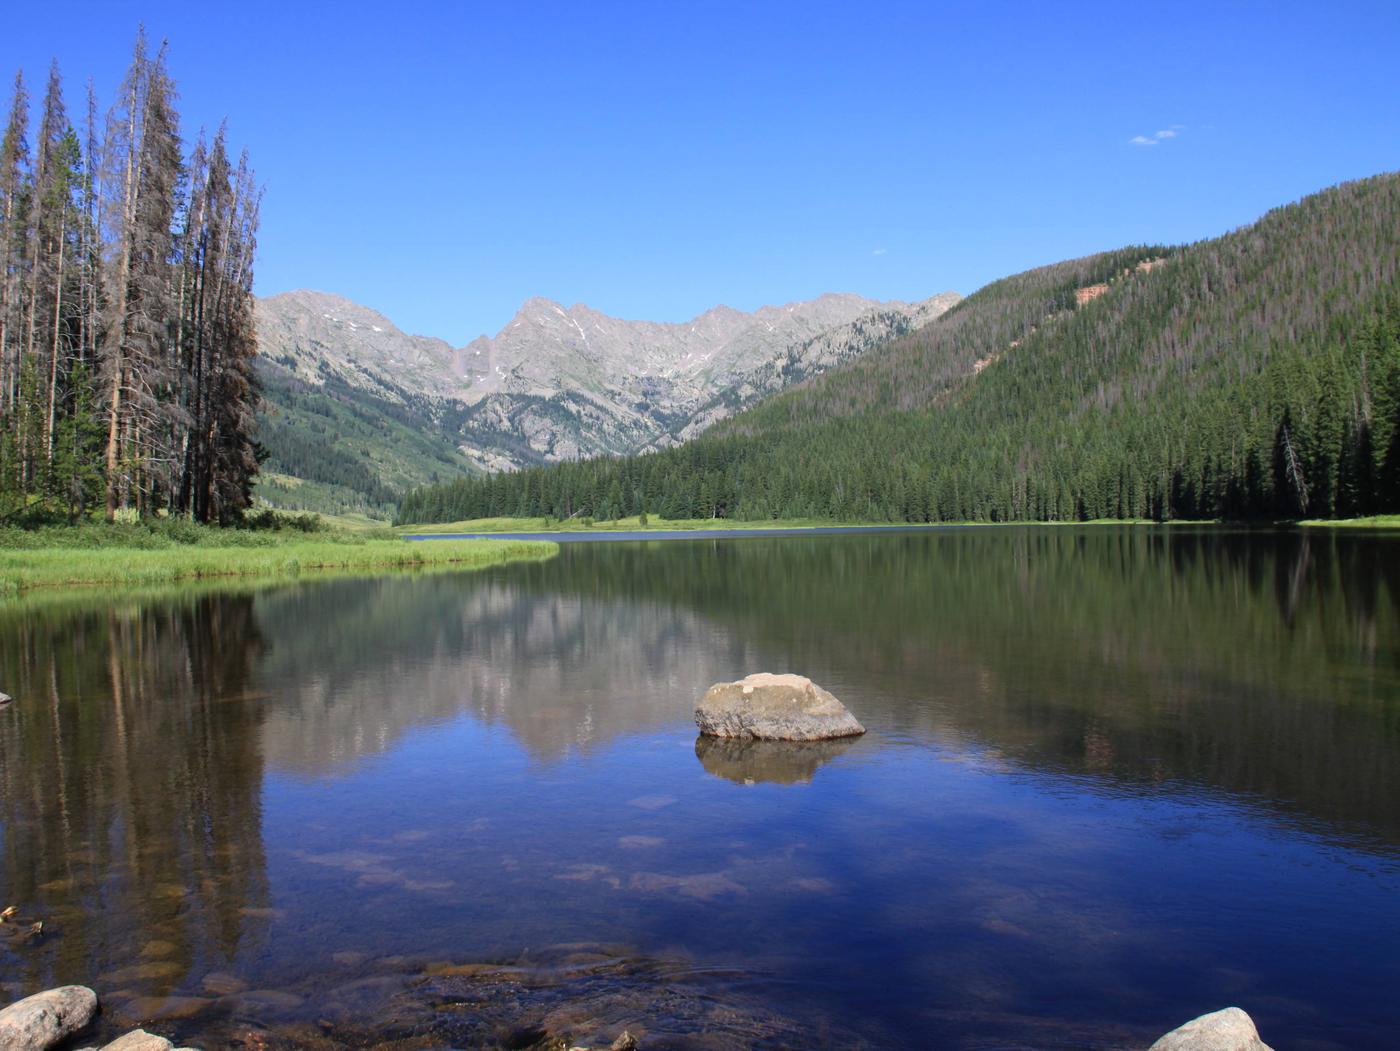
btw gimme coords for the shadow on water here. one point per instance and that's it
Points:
(354, 787)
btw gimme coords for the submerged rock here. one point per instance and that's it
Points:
(774, 708)
(1227, 1030)
(160, 1008)
(43, 1020)
(221, 983)
(748, 762)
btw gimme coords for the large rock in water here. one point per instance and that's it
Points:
(38, 1022)
(1226, 1030)
(774, 708)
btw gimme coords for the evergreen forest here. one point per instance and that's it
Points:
(1250, 376)
(126, 320)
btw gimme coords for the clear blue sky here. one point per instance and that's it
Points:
(442, 162)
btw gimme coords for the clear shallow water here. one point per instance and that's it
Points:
(1114, 778)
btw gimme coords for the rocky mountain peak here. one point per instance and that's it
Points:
(559, 382)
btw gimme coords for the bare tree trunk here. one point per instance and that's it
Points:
(91, 236)
(117, 337)
(53, 356)
(1295, 471)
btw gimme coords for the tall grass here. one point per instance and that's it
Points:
(165, 551)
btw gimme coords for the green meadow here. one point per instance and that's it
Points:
(123, 555)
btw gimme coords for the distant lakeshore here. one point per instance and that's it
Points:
(652, 528)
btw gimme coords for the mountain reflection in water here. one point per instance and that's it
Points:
(1067, 728)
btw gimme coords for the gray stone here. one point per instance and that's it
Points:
(774, 708)
(5, 699)
(1229, 1029)
(38, 1022)
(139, 1040)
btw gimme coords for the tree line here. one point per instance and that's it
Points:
(1252, 376)
(126, 312)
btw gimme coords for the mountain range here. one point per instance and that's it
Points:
(1254, 375)
(357, 410)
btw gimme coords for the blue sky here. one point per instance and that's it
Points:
(443, 162)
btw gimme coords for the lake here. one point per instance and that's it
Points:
(1114, 777)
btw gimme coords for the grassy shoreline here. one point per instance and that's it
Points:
(661, 525)
(1370, 522)
(621, 525)
(95, 558)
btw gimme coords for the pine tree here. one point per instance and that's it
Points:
(143, 154)
(106, 319)
(14, 235)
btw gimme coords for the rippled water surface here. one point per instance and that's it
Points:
(1113, 778)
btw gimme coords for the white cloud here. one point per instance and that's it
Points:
(879, 251)
(1158, 137)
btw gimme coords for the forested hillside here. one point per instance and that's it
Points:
(1253, 375)
(336, 449)
(126, 329)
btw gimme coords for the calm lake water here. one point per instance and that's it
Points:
(1113, 778)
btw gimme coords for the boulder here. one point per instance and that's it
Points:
(774, 708)
(139, 1040)
(5, 699)
(1229, 1029)
(43, 1020)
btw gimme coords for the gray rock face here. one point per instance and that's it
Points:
(1226, 1030)
(43, 1020)
(559, 383)
(774, 708)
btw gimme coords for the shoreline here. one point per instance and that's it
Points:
(24, 570)
(663, 528)
(592, 997)
(629, 529)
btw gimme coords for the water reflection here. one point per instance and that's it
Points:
(130, 780)
(1226, 659)
(362, 663)
(205, 793)
(776, 762)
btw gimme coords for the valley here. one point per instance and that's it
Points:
(357, 411)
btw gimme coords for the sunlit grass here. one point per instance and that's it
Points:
(228, 554)
(1370, 522)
